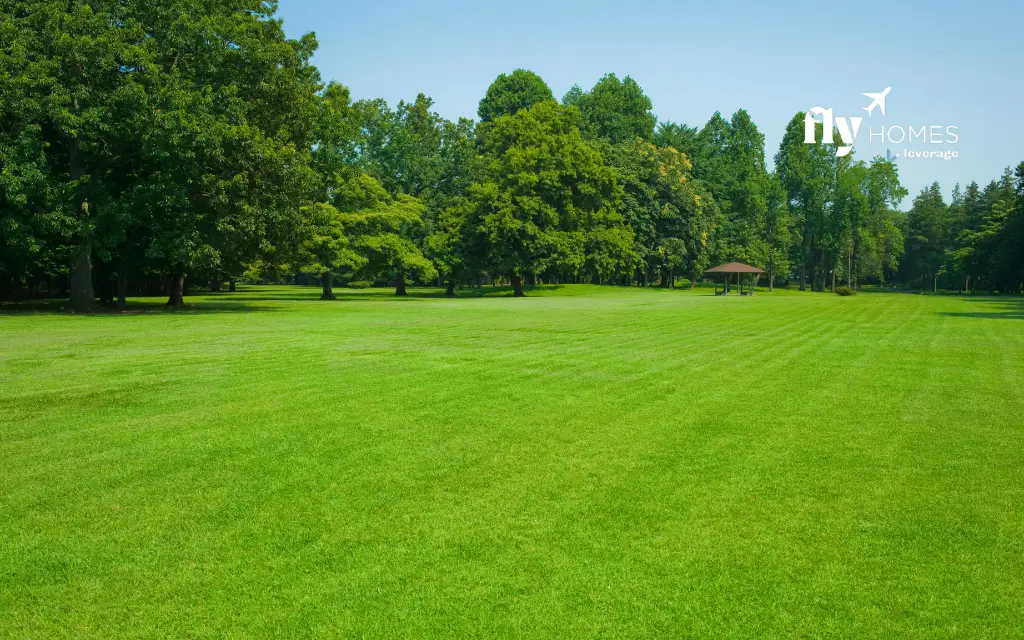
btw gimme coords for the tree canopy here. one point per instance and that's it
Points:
(149, 148)
(510, 93)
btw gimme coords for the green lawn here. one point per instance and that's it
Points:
(590, 462)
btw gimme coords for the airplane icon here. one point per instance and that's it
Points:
(877, 100)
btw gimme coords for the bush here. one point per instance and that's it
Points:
(845, 291)
(360, 284)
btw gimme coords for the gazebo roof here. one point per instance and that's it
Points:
(734, 267)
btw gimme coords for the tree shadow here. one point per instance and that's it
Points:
(248, 298)
(381, 294)
(998, 309)
(134, 308)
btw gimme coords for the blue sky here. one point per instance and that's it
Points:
(948, 63)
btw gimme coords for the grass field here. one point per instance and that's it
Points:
(585, 462)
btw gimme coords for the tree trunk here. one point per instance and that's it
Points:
(216, 283)
(935, 283)
(7, 286)
(231, 285)
(400, 284)
(177, 300)
(450, 291)
(327, 282)
(517, 286)
(122, 285)
(82, 294)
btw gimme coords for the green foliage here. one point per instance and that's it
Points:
(154, 141)
(402, 149)
(385, 231)
(325, 245)
(663, 204)
(845, 291)
(614, 110)
(176, 136)
(680, 137)
(842, 212)
(926, 236)
(545, 195)
(359, 284)
(510, 93)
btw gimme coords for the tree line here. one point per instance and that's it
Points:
(143, 145)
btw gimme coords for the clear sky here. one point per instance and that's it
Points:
(948, 63)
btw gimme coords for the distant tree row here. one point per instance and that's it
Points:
(976, 242)
(146, 148)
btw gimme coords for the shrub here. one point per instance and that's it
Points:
(360, 284)
(845, 291)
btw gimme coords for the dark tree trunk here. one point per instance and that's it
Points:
(231, 285)
(7, 286)
(216, 283)
(327, 282)
(400, 284)
(517, 286)
(177, 299)
(450, 291)
(122, 284)
(849, 266)
(82, 294)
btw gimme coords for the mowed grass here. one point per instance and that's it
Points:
(586, 462)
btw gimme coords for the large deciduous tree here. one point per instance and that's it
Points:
(663, 204)
(164, 132)
(545, 194)
(614, 110)
(509, 93)
(74, 101)
(385, 232)
(228, 153)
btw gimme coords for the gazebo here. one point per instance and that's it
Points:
(739, 269)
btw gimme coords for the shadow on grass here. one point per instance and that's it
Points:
(60, 307)
(248, 298)
(380, 294)
(999, 309)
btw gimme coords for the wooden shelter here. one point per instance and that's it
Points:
(740, 270)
